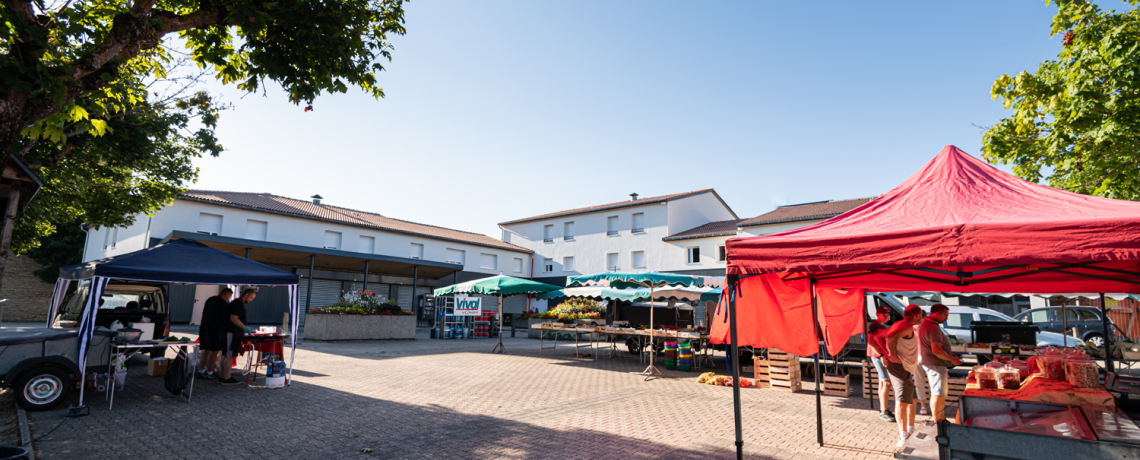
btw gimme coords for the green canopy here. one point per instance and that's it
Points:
(691, 294)
(594, 293)
(631, 280)
(497, 285)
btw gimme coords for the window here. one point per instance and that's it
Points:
(367, 244)
(612, 262)
(488, 261)
(518, 265)
(1089, 316)
(209, 224)
(456, 256)
(332, 240)
(255, 230)
(638, 259)
(114, 237)
(417, 251)
(693, 255)
(959, 320)
(567, 264)
(612, 225)
(1070, 315)
(1039, 316)
(548, 233)
(721, 254)
(568, 231)
(638, 223)
(107, 239)
(991, 318)
(548, 265)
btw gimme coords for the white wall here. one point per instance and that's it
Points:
(183, 215)
(591, 243)
(769, 229)
(676, 254)
(693, 211)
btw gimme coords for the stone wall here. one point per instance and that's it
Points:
(28, 296)
(360, 327)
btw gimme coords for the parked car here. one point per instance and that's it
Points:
(1086, 320)
(960, 319)
(40, 364)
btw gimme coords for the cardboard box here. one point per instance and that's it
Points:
(157, 366)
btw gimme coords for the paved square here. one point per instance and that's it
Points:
(453, 399)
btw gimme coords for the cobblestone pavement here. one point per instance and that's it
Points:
(453, 399)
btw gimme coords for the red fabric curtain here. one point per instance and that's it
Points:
(841, 315)
(772, 314)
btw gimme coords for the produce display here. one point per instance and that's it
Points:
(1052, 365)
(1082, 372)
(1009, 378)
(987, 378)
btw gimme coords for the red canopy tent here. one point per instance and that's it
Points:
(958, 224)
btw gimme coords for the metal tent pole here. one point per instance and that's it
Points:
(500, 348)
(1104, 322)
(867, 348)
(1065, 322)
(815, 331)
(735, 365)
(652, 369)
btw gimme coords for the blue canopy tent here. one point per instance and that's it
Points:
(182, 261)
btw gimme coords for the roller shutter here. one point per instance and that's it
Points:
(325, 292)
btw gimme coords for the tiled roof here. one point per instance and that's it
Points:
(308, 210)
(806, 211)
(620, 204)
(719, 228)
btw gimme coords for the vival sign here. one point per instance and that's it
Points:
(467, 306)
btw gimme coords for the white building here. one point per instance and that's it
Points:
(339, 244)
(680, 233)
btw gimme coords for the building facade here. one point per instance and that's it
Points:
(404, 260)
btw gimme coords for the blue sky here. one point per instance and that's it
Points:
(497, 110)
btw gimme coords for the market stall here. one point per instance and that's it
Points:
(182, 261)
(957, 225)
(634, 280)
(498, 286)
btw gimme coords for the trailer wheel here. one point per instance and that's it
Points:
(633, 345)
(42, 388)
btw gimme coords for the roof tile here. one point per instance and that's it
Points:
(807, 211)
(306, 209)
(719, 228)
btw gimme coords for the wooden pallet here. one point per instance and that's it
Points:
(837, 385)
(871, 385)
(760, 373)
(784, 370)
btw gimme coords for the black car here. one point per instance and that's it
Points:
(1086, 320)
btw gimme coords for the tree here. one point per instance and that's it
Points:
(75, 94)
(63, 247)
(1076, 121)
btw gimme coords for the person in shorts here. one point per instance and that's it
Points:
(236, 331)
(936, 358)
(902, 345)
(876, 350)
(920, 379)
(210, 340)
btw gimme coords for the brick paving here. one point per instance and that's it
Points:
(452, 399)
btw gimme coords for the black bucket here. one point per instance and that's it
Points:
(13, 453)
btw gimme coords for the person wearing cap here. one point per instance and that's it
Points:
(876, 350)
(936, 358)
(902, 347)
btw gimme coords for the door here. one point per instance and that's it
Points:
(201, 293)
(269, 307)
(1090, 323)
(1040, 318)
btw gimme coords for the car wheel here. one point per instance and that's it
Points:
(1097, 340)
(633, 345)
(42, 388)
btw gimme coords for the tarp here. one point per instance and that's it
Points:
(182, 261)
(497, 285)
(624, 280)
(959, 214)
(956, 225)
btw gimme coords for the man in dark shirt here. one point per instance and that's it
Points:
(236, 330)
(208, 334)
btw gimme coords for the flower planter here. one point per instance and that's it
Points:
(359, 327)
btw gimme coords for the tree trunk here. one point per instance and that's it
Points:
(9, 223)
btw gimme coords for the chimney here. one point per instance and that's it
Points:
(634, 195)
(316, 199)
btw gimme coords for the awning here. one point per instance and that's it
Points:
(326, 259)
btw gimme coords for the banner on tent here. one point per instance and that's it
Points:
(468, 306)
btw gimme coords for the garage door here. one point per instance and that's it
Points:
(325, 292)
